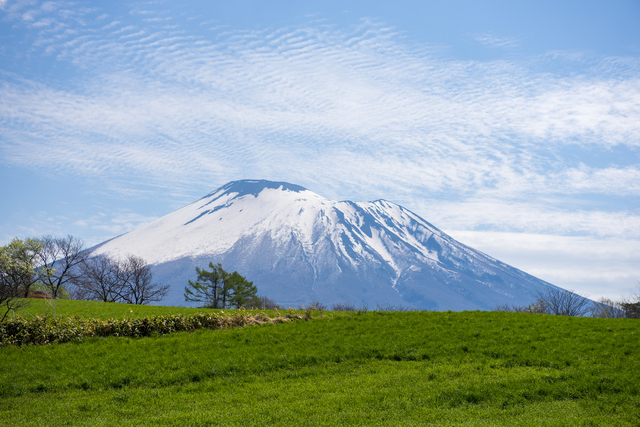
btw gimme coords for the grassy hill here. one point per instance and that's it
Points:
(101, 310)
(375, 368)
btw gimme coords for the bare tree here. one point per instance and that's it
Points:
(59, 259)
(136, 287)
(390, 307)
(347, 305)
(631, 310)
(632, 305)
(609, 309)
(562, 302)
(98, 279)
(129, 280)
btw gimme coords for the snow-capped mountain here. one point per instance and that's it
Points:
(297, 247)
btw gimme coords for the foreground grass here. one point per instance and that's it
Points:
(421, 368)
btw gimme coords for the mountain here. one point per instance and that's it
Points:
(298, 247)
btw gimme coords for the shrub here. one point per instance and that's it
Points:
(317, 305)
(41, 330)
(263, 302)
(531, 308)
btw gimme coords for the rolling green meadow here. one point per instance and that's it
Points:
(339, 368)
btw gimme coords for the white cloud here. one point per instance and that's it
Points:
(539, 218)
(123, 29)
(30, 15)
(378, 116)
(117, 223)
(157, 19)
(595, 267)
(47, 22)
(492, 40)
(101, 224)
(50, 6)
(607, 180)
(111, 25)
(142, 12)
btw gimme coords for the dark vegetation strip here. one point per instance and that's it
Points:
(42, 330)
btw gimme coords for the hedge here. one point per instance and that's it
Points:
(42, 330)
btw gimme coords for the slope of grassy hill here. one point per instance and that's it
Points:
(375, 368)
(100, 310)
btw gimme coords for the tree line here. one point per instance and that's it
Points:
(564, 302)
(60, 267)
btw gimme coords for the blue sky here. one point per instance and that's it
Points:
(513, 126)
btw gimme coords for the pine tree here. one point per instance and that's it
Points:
(218, 289)
(243, 290)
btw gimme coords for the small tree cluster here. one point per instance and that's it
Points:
(560, 302)
(17, 272)
(317, 305)
(46, 264)
(608, 309)
(531, 308)
(263, 302)
(568, 303)
(343, 306)
(390, 307)
(58, 261)
(625, 308)
(128, 280)
(219, 289)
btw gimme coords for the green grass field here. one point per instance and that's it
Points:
(100, 310)
(375, 368)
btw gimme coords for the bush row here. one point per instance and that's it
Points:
(42, 330)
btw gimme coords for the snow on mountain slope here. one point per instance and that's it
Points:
(297, 246)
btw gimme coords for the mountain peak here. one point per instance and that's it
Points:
(253, 187)
(298, 246)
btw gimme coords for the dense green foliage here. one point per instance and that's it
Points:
(376, 368)
(51, 330)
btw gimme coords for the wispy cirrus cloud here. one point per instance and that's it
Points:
(593, 266)
(103, 224)
(548, 218)
(491, 40)
(377, 114)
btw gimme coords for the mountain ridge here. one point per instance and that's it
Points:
(298, 246)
